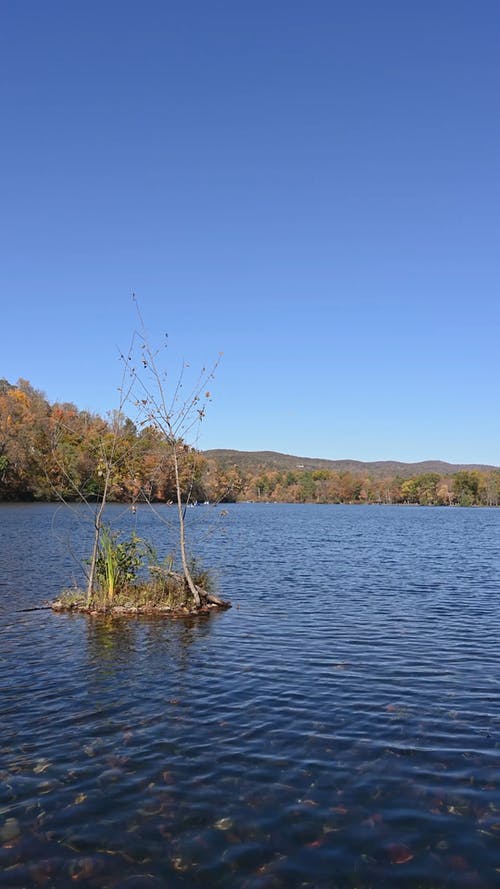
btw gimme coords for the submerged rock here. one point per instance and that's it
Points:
(10, 830)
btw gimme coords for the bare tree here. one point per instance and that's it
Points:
(109, 459)
(106, 470)
(174, 414)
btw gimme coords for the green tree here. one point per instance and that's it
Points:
(468, 487)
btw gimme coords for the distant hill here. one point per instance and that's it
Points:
(262, 460)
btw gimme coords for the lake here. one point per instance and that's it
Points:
(338, 727)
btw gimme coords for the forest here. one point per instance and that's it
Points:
(56, 451)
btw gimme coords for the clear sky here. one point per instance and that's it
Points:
(310, 187)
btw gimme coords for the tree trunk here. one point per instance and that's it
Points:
(97, 533)
(182, 538)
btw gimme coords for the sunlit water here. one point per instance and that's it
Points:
(338, 727)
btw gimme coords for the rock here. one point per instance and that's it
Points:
(224, 824)
(10, 830)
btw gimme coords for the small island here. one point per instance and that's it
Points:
(128, 579)
(125, 576)
(168, 597)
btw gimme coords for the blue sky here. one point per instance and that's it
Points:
(311, 188)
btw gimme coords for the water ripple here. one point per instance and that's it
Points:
(339, 727)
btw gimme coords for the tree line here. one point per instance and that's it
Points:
(463, 488)
(56, 451)
(53, 451)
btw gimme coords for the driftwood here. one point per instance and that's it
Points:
(35, 608)
(205, 597)
(212, 599)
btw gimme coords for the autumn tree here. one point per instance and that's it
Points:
(23, 440)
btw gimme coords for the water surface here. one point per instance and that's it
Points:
(339, 727)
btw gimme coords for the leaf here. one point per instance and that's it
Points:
(400, 854)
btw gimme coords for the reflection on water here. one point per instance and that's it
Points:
(113, 641)
(339, 727)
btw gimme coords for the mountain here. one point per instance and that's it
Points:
(262, 460)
